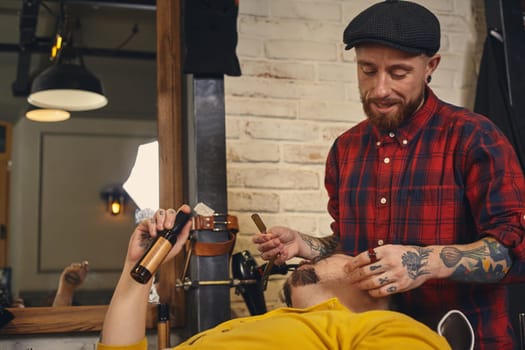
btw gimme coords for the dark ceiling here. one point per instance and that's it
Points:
(116, 39)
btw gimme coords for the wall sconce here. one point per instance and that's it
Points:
(116, 198)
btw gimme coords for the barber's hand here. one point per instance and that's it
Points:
(147, 230)
(398, 268)
(281, 243)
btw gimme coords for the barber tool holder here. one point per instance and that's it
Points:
(207, 259)
(214, 223)
(246, 275)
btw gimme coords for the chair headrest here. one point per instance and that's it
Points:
(457, 330)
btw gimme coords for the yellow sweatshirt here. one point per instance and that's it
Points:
(328, 325)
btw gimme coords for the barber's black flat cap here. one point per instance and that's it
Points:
(403, 25)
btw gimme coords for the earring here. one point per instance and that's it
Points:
(429, 79)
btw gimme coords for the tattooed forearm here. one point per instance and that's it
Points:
(320, 247)
(415, 262)
(487, 263)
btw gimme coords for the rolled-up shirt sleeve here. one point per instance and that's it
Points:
(496, 191)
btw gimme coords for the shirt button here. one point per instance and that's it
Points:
(383, 200)
(386, 160)
(378, 143)
(405, 142)
(380, 242)
(391, 134)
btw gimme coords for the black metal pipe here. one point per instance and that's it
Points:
(15, 48)
(209, 305)
(150, 5)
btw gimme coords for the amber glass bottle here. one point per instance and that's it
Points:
(158, 249)
(163, 326)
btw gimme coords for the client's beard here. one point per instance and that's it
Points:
(304, 276)
(386, 122)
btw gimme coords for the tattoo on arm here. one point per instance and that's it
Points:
(488, 263)
(320, 247)
(415, 262)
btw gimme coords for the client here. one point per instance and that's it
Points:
(328, 312)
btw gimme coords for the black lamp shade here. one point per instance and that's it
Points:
(69, 87)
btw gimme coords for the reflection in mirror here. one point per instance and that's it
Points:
(71, 278)
(57, 215)
(64, 218)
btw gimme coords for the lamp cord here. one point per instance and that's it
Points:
(134, 31)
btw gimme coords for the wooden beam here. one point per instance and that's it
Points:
(5, 158)
(169, 104)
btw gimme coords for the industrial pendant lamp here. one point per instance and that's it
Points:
(67, 86)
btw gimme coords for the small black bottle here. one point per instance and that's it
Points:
(158, 249)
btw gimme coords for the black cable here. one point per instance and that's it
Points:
(134, 32)
(44, 5)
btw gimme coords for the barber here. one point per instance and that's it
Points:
(428, 196)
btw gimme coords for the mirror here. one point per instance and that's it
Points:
(113, 35)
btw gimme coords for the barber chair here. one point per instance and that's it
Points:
(457, 330)
(244, 268)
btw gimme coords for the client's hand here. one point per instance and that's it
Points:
(147, 230)
(70, 279)
(125, 320)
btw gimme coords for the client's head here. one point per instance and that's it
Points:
(314, 282)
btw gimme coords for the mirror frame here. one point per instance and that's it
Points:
(63, 319)
(66, 319)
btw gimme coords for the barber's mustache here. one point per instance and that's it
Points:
(384, 101)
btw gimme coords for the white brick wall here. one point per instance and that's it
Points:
(298, 91)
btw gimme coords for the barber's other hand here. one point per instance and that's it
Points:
(281, 243)
(147, 230)
(398, 268)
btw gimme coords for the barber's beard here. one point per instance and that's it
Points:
(390, 121)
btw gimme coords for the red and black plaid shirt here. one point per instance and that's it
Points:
(448, 176)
